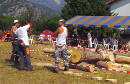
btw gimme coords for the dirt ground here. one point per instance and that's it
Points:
(43, 73)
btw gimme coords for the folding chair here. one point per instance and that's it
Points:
(31, 39)
(115, 44)
(105, 44)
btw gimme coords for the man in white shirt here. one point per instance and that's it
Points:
(61, 51)
(23, 45)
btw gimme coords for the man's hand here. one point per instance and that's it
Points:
(30, 30)
(30, 24)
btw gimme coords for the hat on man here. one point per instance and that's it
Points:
(61, 20)
(16, 21)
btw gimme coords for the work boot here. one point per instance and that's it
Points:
(10, 61)
(56, 70)
(30, 70)
(16, 63)
(21, 69)
(66, 68)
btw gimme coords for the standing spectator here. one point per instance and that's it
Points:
(75, 37)
(41, 38)
(14, 57)
(89, 39)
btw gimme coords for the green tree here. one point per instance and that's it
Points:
(38, 25)
(99, 8)
(52, 23)
(84, 7)
(106, 32)
(89, 8)
(5, 22)
(75, 7)
(43, 24)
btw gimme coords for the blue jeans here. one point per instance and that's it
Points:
(24, 55)
(14, 57)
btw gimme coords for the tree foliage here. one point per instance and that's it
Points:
(39, 25)
(85, 7)
(5, 22)
(106, 32)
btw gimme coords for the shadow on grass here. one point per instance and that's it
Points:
(7, 60)
(12, 64)
(42, 43)
(50, 68)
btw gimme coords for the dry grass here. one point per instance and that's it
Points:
(41, 75)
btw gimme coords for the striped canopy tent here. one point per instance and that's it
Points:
(100, 21)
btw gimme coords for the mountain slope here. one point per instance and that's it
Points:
(18, 7)
(52, 4)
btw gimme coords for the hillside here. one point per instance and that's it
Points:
(18, 7)
(52, 4)
(55, 5)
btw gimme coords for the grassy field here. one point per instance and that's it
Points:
(10, 75)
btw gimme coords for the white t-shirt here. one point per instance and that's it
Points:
(22, 34)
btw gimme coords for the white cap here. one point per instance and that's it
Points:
(15, 21)
(61, 20)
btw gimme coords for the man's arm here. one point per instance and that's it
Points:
(56, 32)
(27, 27)
(30, 31)
(14, 29)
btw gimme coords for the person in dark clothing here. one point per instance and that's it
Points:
(75, 37)
(74, 40)
(14, 57)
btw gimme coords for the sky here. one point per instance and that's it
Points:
(58, 1)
